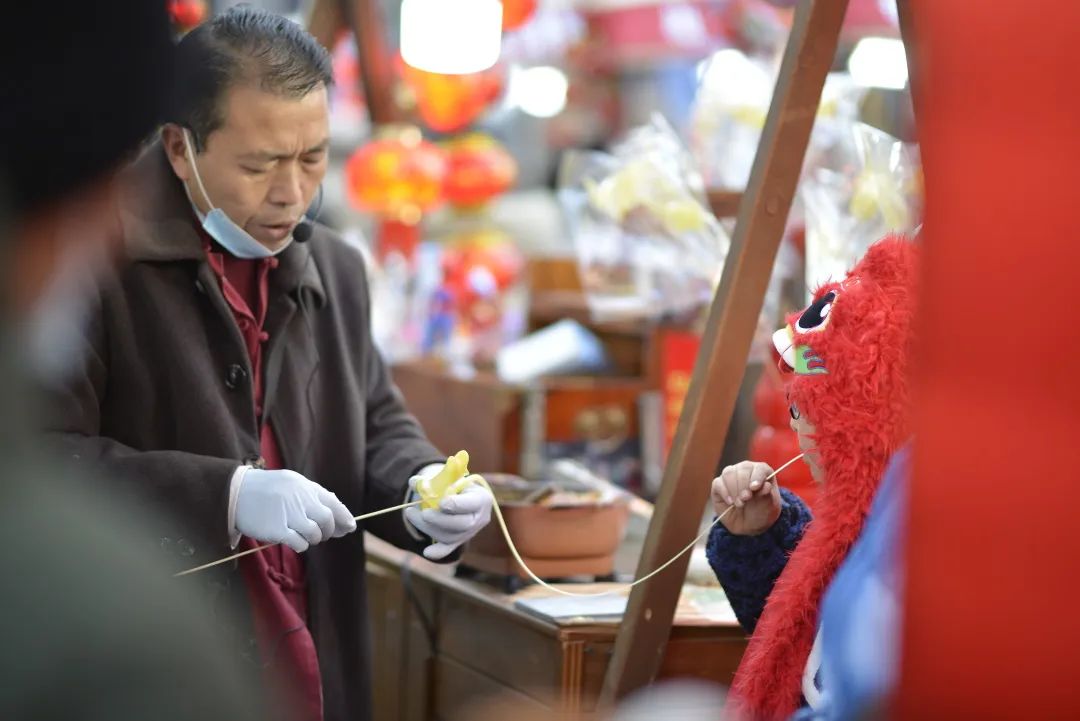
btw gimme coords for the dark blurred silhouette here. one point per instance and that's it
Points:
(92, 626)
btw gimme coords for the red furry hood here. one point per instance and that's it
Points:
(849, 351)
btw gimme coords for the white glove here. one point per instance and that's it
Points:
(457, 519)
(284, 507)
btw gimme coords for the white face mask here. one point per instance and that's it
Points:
(220, 227)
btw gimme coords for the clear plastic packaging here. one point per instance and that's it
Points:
(729, 113)
(646, 242)
(849, 205)
(730, 109)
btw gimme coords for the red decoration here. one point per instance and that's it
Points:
(624, 35)
(479, 169)
(770, 400)
(449, 103)
(516, 13)
(481, 265)
(187, 14)
(479, 268)
(398, 175)
(395, 236)
(762, 443)
(678, 353)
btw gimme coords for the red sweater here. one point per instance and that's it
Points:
(275, 577)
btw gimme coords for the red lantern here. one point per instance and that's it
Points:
(770, 401)
(761, 444)
(480, 267)
(187, 14)
(449, 103)
(399, 176)
(516, 13)
(479, 169)
(480, 264)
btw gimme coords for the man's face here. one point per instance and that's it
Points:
(264, 164)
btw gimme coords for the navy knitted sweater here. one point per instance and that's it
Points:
(748, 566)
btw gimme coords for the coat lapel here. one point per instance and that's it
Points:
(297, 293)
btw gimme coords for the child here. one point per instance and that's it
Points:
(848, 391)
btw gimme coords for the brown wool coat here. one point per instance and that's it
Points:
(165, 406)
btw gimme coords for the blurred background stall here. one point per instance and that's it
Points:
(545, 231)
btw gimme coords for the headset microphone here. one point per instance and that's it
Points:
(303, 230)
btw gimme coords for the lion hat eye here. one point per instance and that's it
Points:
(816, 317)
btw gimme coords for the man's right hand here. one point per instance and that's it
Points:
(284, 507)
(756, 501)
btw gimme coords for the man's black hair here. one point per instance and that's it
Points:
(242, 45)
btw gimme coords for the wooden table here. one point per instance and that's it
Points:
(442, 643)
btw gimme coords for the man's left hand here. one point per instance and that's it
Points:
(458, 518)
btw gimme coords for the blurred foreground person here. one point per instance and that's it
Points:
(990, 629)
(93, 626)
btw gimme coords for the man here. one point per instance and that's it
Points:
(232, 376)
(93, 627)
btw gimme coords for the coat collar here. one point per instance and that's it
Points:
(160, 227)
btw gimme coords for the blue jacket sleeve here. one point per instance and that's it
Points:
(862, 608)
(748, 566)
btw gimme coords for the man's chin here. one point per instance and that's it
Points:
(273, 241)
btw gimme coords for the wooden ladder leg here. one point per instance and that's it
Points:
(377, 76)
(324, 20)
(365, 19)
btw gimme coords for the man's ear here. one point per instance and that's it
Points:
(172, 139)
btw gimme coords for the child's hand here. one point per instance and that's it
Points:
(756, 500)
